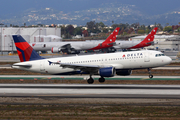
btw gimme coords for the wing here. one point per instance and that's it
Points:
(82, 67)
(66, 46)
(150, 43)
(70, 46)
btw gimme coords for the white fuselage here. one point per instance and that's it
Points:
(125, 44)
(119, 60)
(81, 45)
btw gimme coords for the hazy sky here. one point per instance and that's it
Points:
(150, 7)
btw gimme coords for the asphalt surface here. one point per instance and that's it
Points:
(90, 91)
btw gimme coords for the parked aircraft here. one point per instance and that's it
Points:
(76, 47)
(105, 65)
(109, 45)
(149, 40)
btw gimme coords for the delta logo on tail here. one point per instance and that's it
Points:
(25, 51)
(109, 42)
(147, 41)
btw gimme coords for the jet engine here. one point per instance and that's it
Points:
(124, 72)
(55, 49)
(107, 72)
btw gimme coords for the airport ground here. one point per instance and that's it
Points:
(69, 108)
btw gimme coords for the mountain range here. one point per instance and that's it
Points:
(82, 11)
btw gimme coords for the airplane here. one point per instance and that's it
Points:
(75, 47)
(104, 65)
(106, 46)
(149, 40)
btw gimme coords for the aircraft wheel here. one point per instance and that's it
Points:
(101, 80)
(150, 76)
(90, 80)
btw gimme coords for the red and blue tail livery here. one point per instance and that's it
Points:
(25, 51)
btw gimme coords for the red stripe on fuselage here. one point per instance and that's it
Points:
(101, 46)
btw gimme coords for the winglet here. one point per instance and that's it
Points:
(25, 51)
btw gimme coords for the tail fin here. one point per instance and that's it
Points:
(149, 39)
(25, 51)
(112, 37)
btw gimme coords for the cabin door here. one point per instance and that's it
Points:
(42, 66)
(146, 57)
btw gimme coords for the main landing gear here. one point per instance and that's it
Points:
(101, 79)
(91, 80)
(150, 75)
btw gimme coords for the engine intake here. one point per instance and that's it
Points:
(124, 72)
(107, 72)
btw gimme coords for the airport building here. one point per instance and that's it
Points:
(29, 34)
(162, 42)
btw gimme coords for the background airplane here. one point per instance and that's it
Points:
(106, 46)
(105, 65)
(76, 47)
(149, 40)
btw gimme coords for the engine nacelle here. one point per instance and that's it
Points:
(107, 72)
(124, 72)
(55, 50)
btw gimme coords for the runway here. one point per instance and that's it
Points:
(85, 77)
(90, 91)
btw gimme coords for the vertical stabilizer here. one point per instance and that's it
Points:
(112, 37)
(150, 37)
(109, 42)
(25, 51)
(149, 40)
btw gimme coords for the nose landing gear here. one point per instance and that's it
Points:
(150, 75)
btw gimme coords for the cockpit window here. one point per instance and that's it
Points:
(158, 55)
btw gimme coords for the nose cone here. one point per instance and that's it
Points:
(167, 60)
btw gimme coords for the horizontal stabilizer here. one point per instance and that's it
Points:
(113, 43)
(21, 65)
(150, 43)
